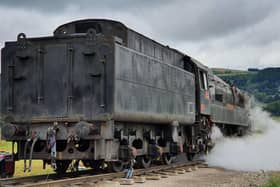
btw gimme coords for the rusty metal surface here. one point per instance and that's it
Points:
(227, 111)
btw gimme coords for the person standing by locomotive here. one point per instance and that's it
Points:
(129, 171)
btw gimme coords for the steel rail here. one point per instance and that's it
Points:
(72, 178)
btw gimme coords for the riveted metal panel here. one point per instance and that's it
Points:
(57, 78)
(147, 89)
(225, 111)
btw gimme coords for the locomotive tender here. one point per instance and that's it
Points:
(98, 91)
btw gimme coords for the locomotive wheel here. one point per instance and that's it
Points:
(145, 161)
(116, 166)
(3, 175)
(94, 164)
(240, 132)
(62, 166)
(167, 158)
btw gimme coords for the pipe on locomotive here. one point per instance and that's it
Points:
(175, 135)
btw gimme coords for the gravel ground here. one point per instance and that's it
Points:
(210, 177)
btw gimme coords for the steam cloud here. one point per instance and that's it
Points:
(257, 151)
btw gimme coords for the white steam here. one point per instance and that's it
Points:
(216, 134)
(257, 151)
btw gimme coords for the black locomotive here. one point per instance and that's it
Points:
(97, 91)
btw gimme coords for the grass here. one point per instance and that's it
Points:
(276, 118)
(37, 165)
(273, 181)
(229, 72)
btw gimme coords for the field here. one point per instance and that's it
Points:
(273, 181)
(277, 118)
(229, 72)
(37, 165)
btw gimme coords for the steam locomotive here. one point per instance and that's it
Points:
(100, 92)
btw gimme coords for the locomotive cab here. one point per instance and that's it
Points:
(202, 125)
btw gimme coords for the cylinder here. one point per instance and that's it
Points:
(84, 129)
(10, 130)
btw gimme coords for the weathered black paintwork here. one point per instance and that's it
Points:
(234, 107)
(103, 84)
(72, 75)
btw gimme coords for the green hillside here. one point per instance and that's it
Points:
(263, 84)
(230, 72)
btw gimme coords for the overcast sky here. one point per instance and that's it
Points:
(229, 34)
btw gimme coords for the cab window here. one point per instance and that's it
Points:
(219, 96)
(203, 80)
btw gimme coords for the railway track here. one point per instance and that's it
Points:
(17, 181)
(87, 179)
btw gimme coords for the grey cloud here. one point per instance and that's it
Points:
(202, 20)
(262, 34)
(174, 20)
(60, 5)
(217, 32)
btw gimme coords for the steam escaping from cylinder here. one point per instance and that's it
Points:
(216, 134)
(260, 150)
